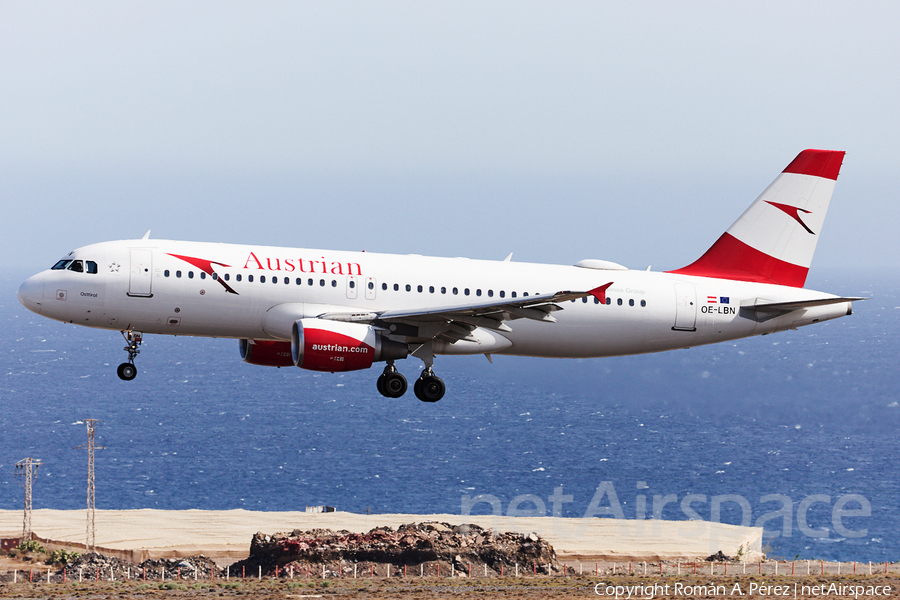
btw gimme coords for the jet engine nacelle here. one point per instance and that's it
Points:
(267, 353)
(325, 345)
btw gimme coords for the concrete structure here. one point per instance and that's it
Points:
(225, 535)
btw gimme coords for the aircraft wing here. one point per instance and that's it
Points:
(455, 322)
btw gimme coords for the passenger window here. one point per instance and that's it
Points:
(371, 286)
(352, 284)
(227, 277)
(490, 293)
(299, 281)
(396, 287)
(321, 283)
(643, 303)
(384, 287)
(250, 278)
(596, 300)
(76, 266)
(513, 294)
(215, 276)
(608, 301)
(419, 289)
(478, 292)
(430, 289)
(60, 265)
(309, 282)
(619, 302)
(92, 267)
(190, 274)
(631, 302)
(525, 294)
(178, 274)
(408, 288)
(455, 291)
(166, 273)
(443, 290)
(237, 277)
(502, 294)
(262, 278)
(584, 300)
(467, 291)
(202, 275)
(334, 283)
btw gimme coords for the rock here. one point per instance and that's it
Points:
(424, 545)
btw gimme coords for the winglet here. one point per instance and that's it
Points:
(600, 292)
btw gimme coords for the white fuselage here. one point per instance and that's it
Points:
(144, 285)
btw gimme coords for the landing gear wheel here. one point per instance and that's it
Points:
(126, 371)
(429, 387)
(394, 385)
(391, 383)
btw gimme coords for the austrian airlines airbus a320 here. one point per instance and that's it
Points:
(341, 311)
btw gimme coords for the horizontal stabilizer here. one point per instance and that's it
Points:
(786, 307)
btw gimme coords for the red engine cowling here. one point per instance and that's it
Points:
(323, 345)
(268, 353)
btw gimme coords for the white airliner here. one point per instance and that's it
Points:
(328, 310)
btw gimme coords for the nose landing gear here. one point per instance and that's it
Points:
(127, 371)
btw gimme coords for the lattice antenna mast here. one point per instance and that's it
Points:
(91, 529)
(26, 469)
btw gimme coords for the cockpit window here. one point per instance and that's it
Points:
(59, 266)
(91, 266)
(77, 266)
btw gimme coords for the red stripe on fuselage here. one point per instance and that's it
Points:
(819, 163)
(730, 258)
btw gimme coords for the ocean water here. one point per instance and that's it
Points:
(796, 432)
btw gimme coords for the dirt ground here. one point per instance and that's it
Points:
(510, 588)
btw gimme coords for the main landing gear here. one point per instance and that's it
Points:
(127, 371)
(391, 383)
(428, 387)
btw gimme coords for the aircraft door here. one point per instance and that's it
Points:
(352, 286)
(371, 284)
(141, 277)
(685, 307)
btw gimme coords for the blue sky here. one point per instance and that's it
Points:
(633, 132)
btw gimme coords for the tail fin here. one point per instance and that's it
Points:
(774, 240)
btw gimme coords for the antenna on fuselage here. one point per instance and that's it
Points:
(146, 235)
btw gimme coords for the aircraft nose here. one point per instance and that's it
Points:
(31, 293)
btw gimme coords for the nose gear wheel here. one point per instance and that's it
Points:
(127, 371)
